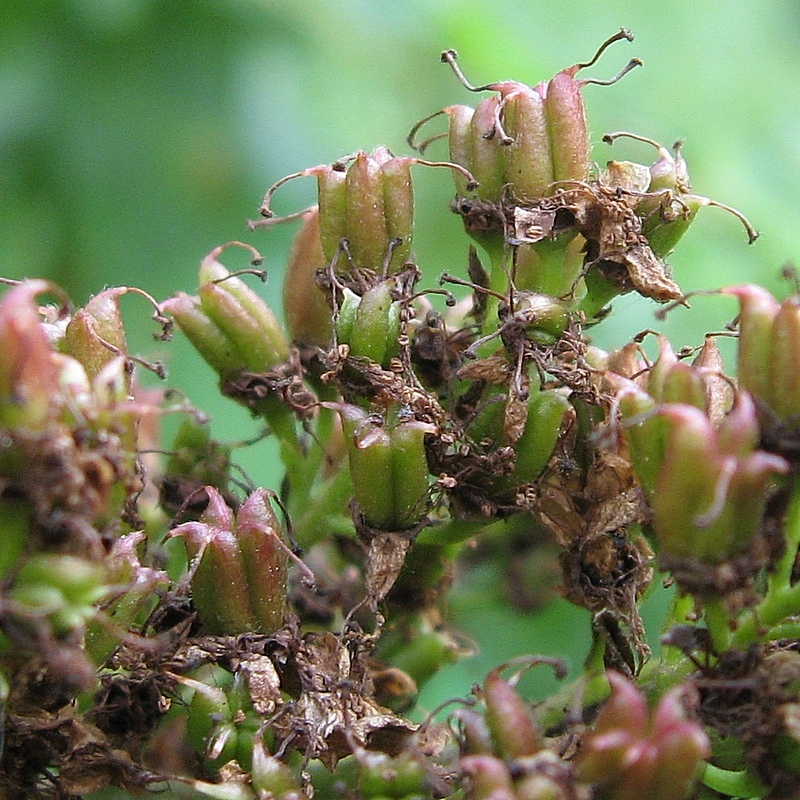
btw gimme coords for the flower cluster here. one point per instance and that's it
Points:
(162, 623)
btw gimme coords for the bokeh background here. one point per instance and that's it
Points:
(135, 135)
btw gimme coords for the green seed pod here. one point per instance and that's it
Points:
(529, 160)
(388, 466)
(219, 586)
(217, 350)
(370, 454)
(546, 411)
(459, 117)
(486, 156)
(251, 326)
(367, 231)
(513, 730)
(410, 472)
(398, 198)
(332, 198)
(376, 327)
(567, 127)
(381, 775)
(93, 328)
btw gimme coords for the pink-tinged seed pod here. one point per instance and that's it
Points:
(567, 127)
(712, 485)
(239, 565)
(671, 380)
(758, 310)
(307, 313)
(530, 165)
(28, 371)
(366, 203)
(258, 534)
(632, 753)
(529, 138)
(514, 732)
(485, 153)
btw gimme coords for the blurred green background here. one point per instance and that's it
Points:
(135, 135)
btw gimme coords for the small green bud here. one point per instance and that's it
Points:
(700, 384)
(63, 588)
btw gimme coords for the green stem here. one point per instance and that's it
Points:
(782, 600)
(302, 479)
(325, 507)
(498, 282)
(782, 574)
(718, 623)
(454, 531)
(558, 268)
(740, 783)
(775, 608)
